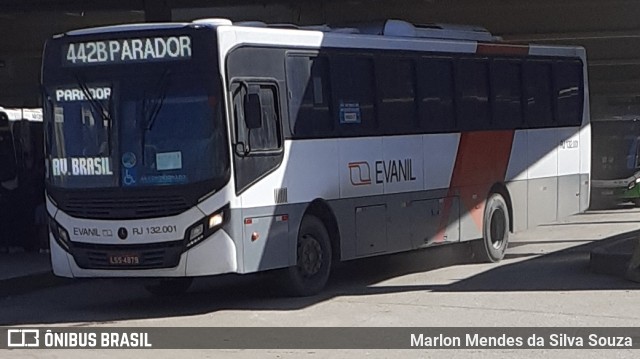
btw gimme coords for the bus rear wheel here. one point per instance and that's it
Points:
(169, 286)
(495, 229)
(311, 272)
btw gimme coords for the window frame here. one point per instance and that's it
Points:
(246, 82)
(326, 93)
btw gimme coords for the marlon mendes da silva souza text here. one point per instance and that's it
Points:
(505, 341)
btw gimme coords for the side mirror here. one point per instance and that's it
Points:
(242, 149)
(252, 111)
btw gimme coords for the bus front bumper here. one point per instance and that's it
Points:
(215, 255)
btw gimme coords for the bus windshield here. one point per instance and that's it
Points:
(126, 130)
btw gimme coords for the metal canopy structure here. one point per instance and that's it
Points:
(609, 30)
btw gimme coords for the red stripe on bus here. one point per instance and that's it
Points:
(502, 49)
(481, 162)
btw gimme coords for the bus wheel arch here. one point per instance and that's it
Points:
(320, 209)
(497, 224)
(317, 245)
(501, 189)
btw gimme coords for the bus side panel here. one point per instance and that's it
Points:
(395, 222)
(344, 210)
(585, 165)
(269, 236)
(542, 194)
(518, 191)
(543, 176)
(585, 192)
(568, 172)
(416, 220)
(285, 191)
(360, 174)
(516, 179)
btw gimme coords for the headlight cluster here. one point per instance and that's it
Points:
(633, 183)
(59, 234)
(205, 227)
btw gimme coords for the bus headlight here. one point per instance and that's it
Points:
(205, 227)
(59, 234)
(633, 183)
(216, 220)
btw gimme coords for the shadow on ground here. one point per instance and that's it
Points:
(108, 300)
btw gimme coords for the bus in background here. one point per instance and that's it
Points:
(191, 149)
(8, 171)
(21, 178)
(615, 161)
(8, 181)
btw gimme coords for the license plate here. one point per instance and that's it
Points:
(608, 192)
(124, 259)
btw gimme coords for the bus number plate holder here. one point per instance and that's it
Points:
(124, 259)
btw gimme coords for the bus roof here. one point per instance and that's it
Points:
(389, 29)
(125, 28)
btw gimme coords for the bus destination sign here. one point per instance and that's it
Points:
(128, 50)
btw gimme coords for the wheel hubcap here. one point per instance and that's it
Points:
(309, 255)
(498, 228)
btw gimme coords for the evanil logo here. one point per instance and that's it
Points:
(383, 172)
(359, 173)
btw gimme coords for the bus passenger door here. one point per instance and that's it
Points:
(258, 144)
(258, 152)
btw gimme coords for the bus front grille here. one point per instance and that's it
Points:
(132, 207)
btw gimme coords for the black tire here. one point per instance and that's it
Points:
(169, 286)
(311, 272)
(636, 202)
(495, 229)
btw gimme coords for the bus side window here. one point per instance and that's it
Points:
(435, 94)
(353, 88)
(308, 92)
(506, 94)
(472, 94)
(396, 90)
(537, 94)
(568, 93)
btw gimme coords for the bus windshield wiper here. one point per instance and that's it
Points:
(153, 111)
(104, 113)
(158, 102)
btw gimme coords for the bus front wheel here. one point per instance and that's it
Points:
(311, 272)
(495, 229)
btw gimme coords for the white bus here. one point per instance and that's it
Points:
(191, 149)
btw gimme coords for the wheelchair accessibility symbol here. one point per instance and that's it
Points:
(129, 180)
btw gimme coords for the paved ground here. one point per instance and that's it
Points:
(544, 281)
(21, 264)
